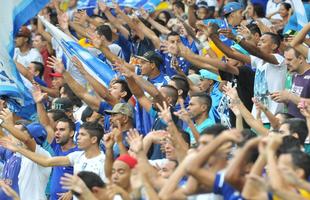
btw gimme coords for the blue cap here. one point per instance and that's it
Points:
(205, 74)
(232, 7)
(37, 131)
(202, 4)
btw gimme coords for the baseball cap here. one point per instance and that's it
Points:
(56, 74)
(152, 56)
(24, 32)
(37, 131)
(205, 74)
(232, 7)
(202, 4)
(129, 160)
(121, 108)
(64, 104)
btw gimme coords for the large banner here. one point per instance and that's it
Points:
(13, 14)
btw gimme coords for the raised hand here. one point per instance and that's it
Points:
(102, 6)
(117, 132)
(244, 31)
(232, 135)
(73, 183)
(77, 63)
(37, 94)
(119, 66)
(274, 142)
(56, 64)
(108, 140)
(227, 33)
(165, 113)
(63, 20)
(145, 15)
(8, 144)
(231, 92)
(9, 191)
(304, 108)
(7, 116)
(183, 114)
(134, 140)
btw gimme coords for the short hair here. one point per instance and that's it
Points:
(172, 93)
(254, 28)
(275, 38)
(204, 99)
(214, 130)
(299, 126)
(185, 136)
(247, 134)
(94, 129)
(87, 112)
(57, 114)
(179, 4)
(285, 115)
(173, 33)
(69, 121)
(91, 179)
(72, 96)
(105, 30)
(125, 88)
(287, 6)
(259, 10)
(38, 66)
(181, 84)
(288, 142)
(296, 53)
(301, 160)
(167, 15)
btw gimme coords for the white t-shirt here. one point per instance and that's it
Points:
(116, 50)
(33, 178)
(269, 78)
(273, 7)
(81, 163)
(28, 57)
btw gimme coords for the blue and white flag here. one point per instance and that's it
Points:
(299, 18)
(148, 5)
(100, 70)
(13, 14)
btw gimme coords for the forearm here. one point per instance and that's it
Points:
(149, 88)
(78, 28)
(251, 121)
(272, 119)
(294, 98)
(275, 179)
(149, 189)
(162, 29)
(39, 159)
(108, 162)
(122, 149)
(44, 120)
(194, 131)
(150, 34)
(239, 122)
(300, 37)
(181, 146)
(78, 89)
(52, 92)
(191, 16)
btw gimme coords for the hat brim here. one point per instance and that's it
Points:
(142, 58)
(110, 112)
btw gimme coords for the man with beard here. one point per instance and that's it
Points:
(295, 62)
(62, 144)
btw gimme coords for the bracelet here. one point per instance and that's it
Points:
(239, 38)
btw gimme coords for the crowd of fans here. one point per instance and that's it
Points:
(211, 101)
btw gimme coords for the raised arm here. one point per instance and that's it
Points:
(109, 159)
(8, 124)
(37, 158)
(38, 97)
(79, 90)
(299, 39)
(24, 71)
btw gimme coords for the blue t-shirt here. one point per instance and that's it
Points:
(126, 46)
(216, 96)
(58, 172)
(205, 124)
(140, 47)
(183, 64)
(10, 171)
(39, 81)
(222, 188)
(102, 107)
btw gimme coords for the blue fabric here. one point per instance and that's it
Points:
(183, 64)
(11, 85)
(58, 172)
(125, 45)
(143, 46)
(205, 124)
(216, 96)
(10, 171)
(116, 150)
(222, 188)
(105, 106)
(39, 81)
(292, 23)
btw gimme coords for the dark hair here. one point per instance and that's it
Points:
(167, 15)
(247, 134)
(125, 88)
(288, 142)
(38, 66)
(185, 136)
(285, 115)
(298, 126)
(94, 130)
(254, 28)
(173, 33)
(105, 30)
(71, 95)
(179, 4)
(296, 53)
(42, 38)
(259, 10)
(301, 160)
(57, 114)
(87, 112)
(181, 84)
(214, 130)
(287, 6)
(91, 179)
(195, 69)
(172, 93)
(161, 22)
(69, 121)
(204, 99)
(275, 38)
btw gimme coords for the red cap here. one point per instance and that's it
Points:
(130, 161)
(24, 32)
(56, 74)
